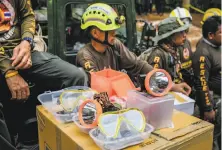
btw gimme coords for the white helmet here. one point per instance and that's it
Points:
(182, 13)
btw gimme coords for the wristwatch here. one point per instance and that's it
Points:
(31, 42)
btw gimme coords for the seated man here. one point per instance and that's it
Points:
(185, 50)
(20, 66)
(166, 55)
(105, 51)
(207, 71)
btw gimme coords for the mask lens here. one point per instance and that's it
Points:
(108, 124)
(136, 119)
(125, 121)
(70, 99)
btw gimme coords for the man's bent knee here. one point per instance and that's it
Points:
(76, 78)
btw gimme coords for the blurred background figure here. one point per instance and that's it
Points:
(139, 6)
(150, 5)
(160, 5)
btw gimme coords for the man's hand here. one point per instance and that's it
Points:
(18, 87)
(209, 116)
(182, 88)
(21, 58)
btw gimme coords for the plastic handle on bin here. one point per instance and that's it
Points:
(98, 113)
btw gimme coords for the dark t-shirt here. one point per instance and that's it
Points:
(207, 70)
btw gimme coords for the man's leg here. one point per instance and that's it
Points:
(217, 128)
(5, 140)
(48, 72)
(16, 113)
(150, 7)
(10, 110)
(52, 73)
(157, 5)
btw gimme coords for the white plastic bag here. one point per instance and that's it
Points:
(40, 44)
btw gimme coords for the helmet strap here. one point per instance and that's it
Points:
(106, 42)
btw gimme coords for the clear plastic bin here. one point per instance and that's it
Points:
(82, 128)
(50, 100)
(157, 110)
(120, 143)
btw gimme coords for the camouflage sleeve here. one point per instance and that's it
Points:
(201, 66)
(5, 63)
(27, 18)
(130, 62)
(155, 59)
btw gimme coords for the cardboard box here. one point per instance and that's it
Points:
(189, 133)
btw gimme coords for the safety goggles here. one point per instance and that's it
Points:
(110, 122)
(70, 99)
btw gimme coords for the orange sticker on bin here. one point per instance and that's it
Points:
(111, 81)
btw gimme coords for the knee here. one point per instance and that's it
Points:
(81, 77)
(77, 77)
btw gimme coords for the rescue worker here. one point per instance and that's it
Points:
(165, 55)
(207, 71)
(185, 50)
(106, 51)
(20, 66)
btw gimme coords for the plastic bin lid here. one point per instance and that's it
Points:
(151, 98)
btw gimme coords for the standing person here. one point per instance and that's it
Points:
(105, 51)
(165, 55)
(161, 7)
(150, 6)
(19, 66)
(146, 6)
(157, 5)
(139, 6)
(207, 71)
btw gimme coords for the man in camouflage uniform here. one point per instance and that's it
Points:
(185, 50)
(166, 55)
(19, 66)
